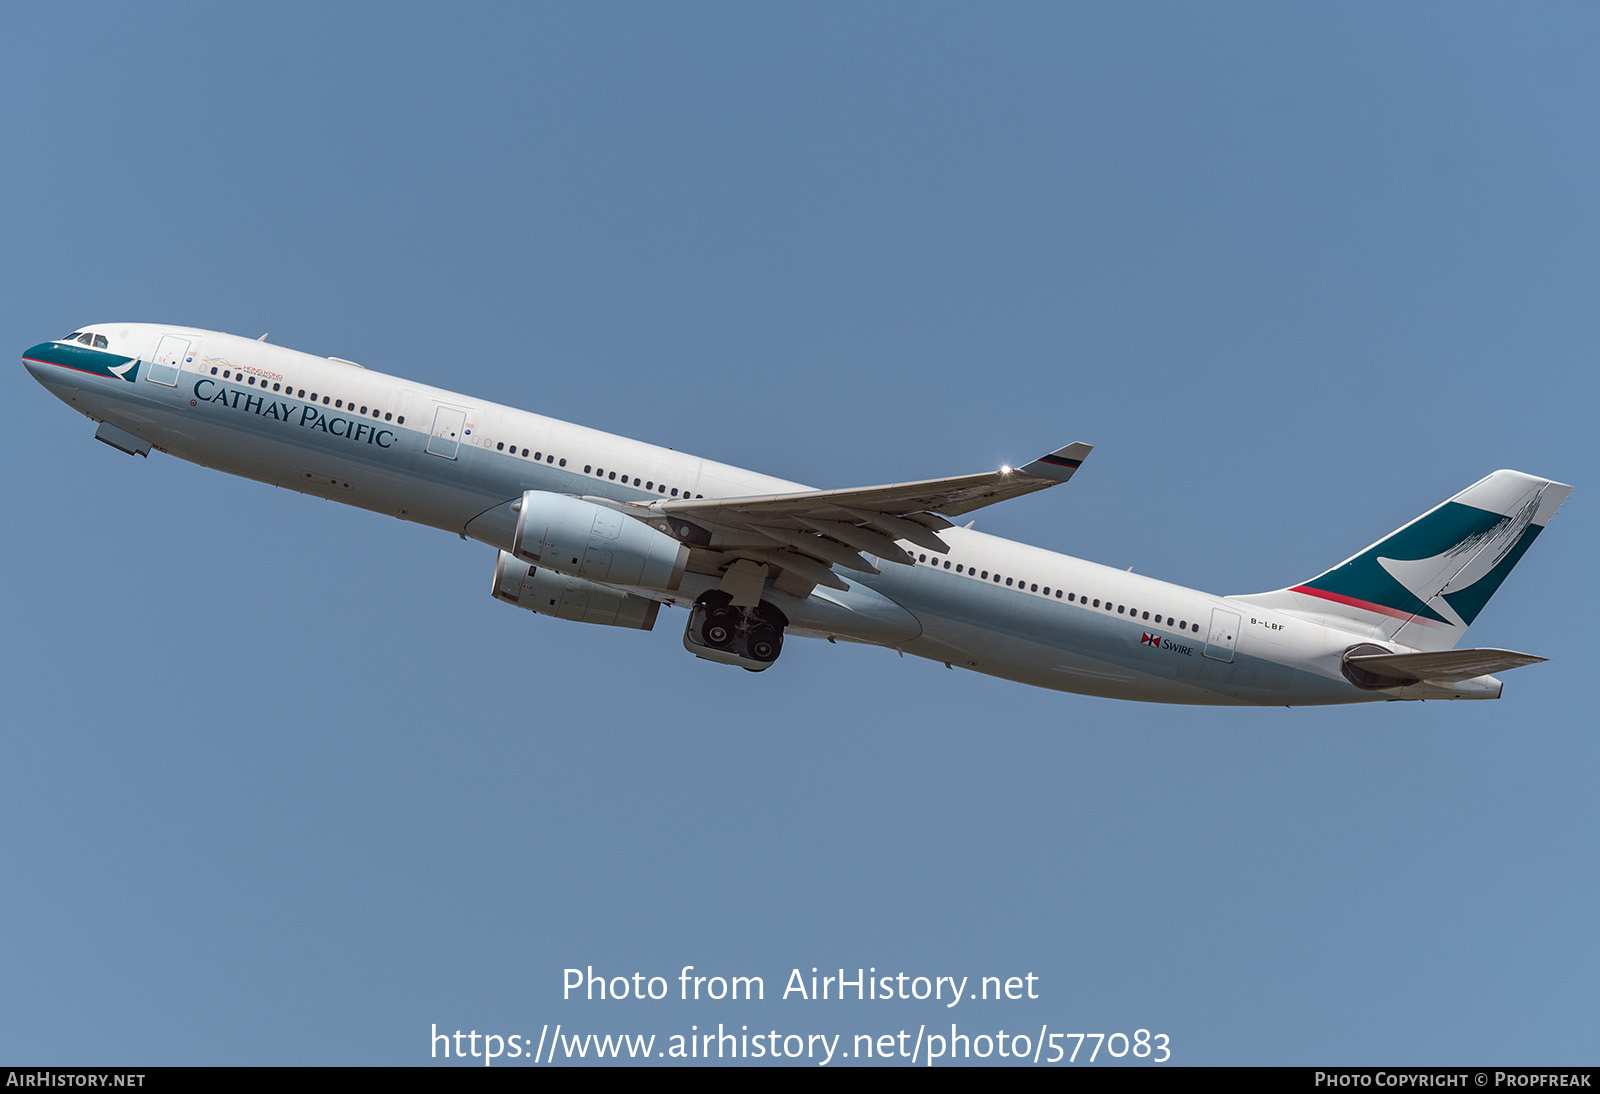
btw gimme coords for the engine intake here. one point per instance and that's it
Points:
(581, 539)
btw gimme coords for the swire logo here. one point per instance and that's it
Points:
(1156, 642)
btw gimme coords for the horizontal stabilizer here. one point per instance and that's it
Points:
(1440, 666)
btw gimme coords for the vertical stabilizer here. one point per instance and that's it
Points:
(1423, 585)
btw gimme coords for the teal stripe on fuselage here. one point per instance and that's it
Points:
(96, 362)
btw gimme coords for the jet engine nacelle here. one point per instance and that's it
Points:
(550, 593)
(580, 539)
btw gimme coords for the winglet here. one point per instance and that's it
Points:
(1061, 463)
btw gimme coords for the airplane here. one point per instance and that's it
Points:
(602, 529)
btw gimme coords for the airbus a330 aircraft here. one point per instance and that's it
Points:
(602, 529)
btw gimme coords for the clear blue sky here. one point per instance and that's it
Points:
(281, 783)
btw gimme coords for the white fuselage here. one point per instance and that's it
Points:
(337, 430)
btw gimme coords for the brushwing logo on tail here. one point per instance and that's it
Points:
(1446, 579)
(1443, 567)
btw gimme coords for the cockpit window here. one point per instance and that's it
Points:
(86, 339)
(100, 341)
(72, 336)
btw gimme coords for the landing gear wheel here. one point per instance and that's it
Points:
(764, 643)
(718, 629)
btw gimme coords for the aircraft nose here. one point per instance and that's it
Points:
(33, 359)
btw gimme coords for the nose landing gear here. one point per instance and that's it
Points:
(751, 638)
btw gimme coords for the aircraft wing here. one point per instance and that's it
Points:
(809, 532)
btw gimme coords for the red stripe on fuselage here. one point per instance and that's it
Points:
(74, 368)
(1365, 605)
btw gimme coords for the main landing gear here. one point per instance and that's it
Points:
(751, 638)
